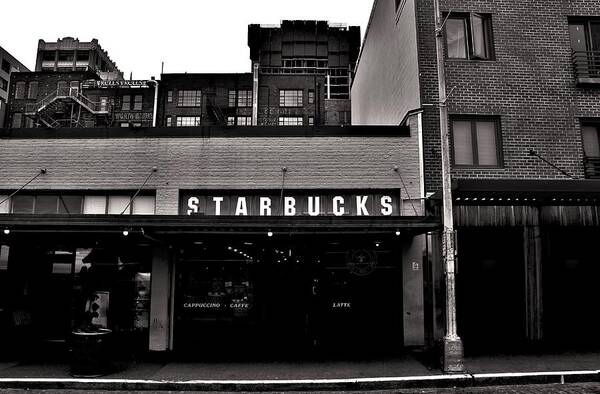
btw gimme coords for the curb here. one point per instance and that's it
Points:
(358, 384)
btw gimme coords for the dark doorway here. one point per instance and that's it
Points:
(570, 289)
(490, 289)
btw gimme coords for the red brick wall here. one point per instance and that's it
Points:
(530, 85)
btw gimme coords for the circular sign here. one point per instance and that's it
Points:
(361, 262)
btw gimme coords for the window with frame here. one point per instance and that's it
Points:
(290, 121)
(169, 121)
(189, 98)
(232, 98)
(290, 98)
(585, 44)
(5, 66)
(17, 120)
(19, 90)
(137, 102)
(3, 84)
(170, 96)
(32, 92)
(311, 96)
(591, 140)
(231, 121)
(476, 141)
(469, 36)
(311, 120)
(187, 121)
(244, 121)
(244, 98)
(126, 103)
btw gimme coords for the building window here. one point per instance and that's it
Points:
(344, 117)
(311, 96)
(476, 142)
(244, 98)
(126, 103)
(469, 36)
(311, 120)
(32, 92)
(124, 124)
(186, 121)
(83, 56)
(169, 121)
(66, 56)
(244, 121)
(3, 84)
(585, 43)
(170, 96)
(290, 98)
(20, 90)
(591, 141)
(5, 66)
(240, 98)
(231, 121)
(137, 103)
(103, 103)
(232, 98)
(189, 98)
(290, 121)
(17, 120)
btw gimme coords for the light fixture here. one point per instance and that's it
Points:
(398, 232)
(229, 247)
(269, 233)
(6, 231)
(235, 250)
(377, 244)
(125, 232)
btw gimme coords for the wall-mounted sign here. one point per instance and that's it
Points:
(111, 84)
(132, 116)
(293, 203)
(361, 262)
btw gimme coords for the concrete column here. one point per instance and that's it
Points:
(532, 243)
(412, 288)
(160, 300)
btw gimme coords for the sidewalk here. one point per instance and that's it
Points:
(401, 372)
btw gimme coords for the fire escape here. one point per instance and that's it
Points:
(63, 108)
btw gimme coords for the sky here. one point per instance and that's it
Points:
(199, 36)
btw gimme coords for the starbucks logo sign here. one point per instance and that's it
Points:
(361, 262)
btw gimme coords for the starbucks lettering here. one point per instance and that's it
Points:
(386, 203)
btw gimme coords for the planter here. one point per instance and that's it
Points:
(90, 351)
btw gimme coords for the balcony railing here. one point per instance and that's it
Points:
(587, 66)
(592, 167)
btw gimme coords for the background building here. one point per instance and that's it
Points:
(70, 54)
(205, 99)
(79, 99)
(523, 99)
(302, 72)
(8, 64)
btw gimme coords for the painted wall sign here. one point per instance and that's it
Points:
(292, 204)
(109, 84)
(133, 116)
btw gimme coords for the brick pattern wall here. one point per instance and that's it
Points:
(530, 85)
(210, 163)
(269, 110)
(215, 89)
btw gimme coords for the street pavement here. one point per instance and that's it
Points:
(578, 388)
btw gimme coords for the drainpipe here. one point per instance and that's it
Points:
(155, 101)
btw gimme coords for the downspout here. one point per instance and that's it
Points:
(154, 111)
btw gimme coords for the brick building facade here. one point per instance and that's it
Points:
(122, 204)
(523, 109)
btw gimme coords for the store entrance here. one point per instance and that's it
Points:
(273, 298)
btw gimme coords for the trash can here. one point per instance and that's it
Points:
(90, 353)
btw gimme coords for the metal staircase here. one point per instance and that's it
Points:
(45, 110)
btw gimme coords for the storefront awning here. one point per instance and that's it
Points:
(163, 224)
